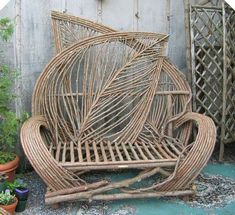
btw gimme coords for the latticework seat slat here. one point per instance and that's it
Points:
(133, 152)
(72, 151)
(155, 151)
(125, 151)
(139, 150)
(118, 152)
(148, 152)
(161, 150)
(97, 159)
(111, 151)
(80, 152)
(88, 155)
(103, 152)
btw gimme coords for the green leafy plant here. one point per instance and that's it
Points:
(6, 28)
(8, 120)
(6, 157)
(9, 123)
(6, 198)
(18, 183)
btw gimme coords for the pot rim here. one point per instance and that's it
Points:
(22, 191)
(11, 165)
(11, 205)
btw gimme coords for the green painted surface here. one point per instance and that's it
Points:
(161, 206)
(227, 170)
(169, 207)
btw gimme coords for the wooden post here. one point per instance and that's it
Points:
(221, 153)
(188, 40)
(17, 55)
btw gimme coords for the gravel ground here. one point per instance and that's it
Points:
(36, 204)
(212, 191)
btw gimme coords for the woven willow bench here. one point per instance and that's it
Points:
(111, 100)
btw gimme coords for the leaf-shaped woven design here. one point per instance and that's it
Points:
(69, 29)
(99, 88)
(63, 24)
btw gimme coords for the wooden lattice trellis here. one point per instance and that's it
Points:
(212, 60)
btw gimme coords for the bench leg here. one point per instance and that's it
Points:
(55, 206)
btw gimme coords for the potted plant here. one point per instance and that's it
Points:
(9, 161)
(20, 190)
(8, 164)
(8, 202)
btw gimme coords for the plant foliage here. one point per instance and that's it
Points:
(6, 198)
(6, 28)
(8, 121)
(18, 183)
(6, 157)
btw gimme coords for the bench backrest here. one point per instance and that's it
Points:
(114, 86)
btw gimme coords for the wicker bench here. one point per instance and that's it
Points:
(111, 100)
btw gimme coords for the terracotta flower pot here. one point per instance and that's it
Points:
(10, 167)
(10, 208)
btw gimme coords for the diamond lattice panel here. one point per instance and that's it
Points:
(207, 38)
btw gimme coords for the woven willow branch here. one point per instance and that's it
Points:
(112, 100)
